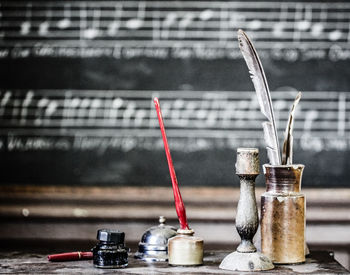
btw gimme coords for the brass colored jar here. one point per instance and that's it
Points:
(283, 214)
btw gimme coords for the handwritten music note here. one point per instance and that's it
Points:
(51, 108)
(26, 25)
(94, 30)
(84, 105)
(201, 112)
(73, 106)
(138, 21)
(44, 28)
(189, 111)
(169, 20)
(184, 23)
(116, 105)
(129, 112)
(40, 110)
(156, 25)
(25, 28)
(65, 22)
(305, 24)
(95, 105)
(140, 116)
(213, 113)
(114, 27)
(255, 24)
(4, 101)
(301, 23)
(310, 116)
(337, 34)
(278, 27)
(66, 107)
(228, 113)
(317, 28)
(176, 110)
(205, 16)
(26, 102)
(45, 25)
(307, 141)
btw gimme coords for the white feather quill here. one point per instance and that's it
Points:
(263, 93)
(287, 153)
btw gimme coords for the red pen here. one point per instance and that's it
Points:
(71, 256)
(179, 205)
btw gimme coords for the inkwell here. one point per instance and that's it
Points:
(110, 251)
(184, 249)
(282, 205)
(246, 257)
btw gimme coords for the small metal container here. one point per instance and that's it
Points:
(185, 249)
(153, 246)
(283, 214)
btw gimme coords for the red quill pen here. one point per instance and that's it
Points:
(71, 256)
(179, 205)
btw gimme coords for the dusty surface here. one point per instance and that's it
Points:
(17, 262)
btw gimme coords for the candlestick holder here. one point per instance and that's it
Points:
(246, 257)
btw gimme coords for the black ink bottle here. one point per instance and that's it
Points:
(110, 252)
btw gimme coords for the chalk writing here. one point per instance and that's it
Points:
(322, 121)
(297, 29)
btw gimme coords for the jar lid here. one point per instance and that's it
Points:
(113, 236)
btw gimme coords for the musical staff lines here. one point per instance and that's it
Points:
(166, 24)
(209, 115)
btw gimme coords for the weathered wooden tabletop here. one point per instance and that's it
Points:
(321, 262)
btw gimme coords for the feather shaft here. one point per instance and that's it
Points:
(258, 77)
(287, 153)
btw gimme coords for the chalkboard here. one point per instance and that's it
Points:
(78, 78)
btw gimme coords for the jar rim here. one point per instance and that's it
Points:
(295, 166)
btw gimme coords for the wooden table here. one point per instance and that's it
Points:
(321, 262)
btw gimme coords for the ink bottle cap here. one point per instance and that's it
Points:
(111, 236)
(110, 252)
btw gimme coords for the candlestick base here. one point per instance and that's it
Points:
(246, 262)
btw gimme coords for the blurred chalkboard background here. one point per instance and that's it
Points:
(77, 80)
